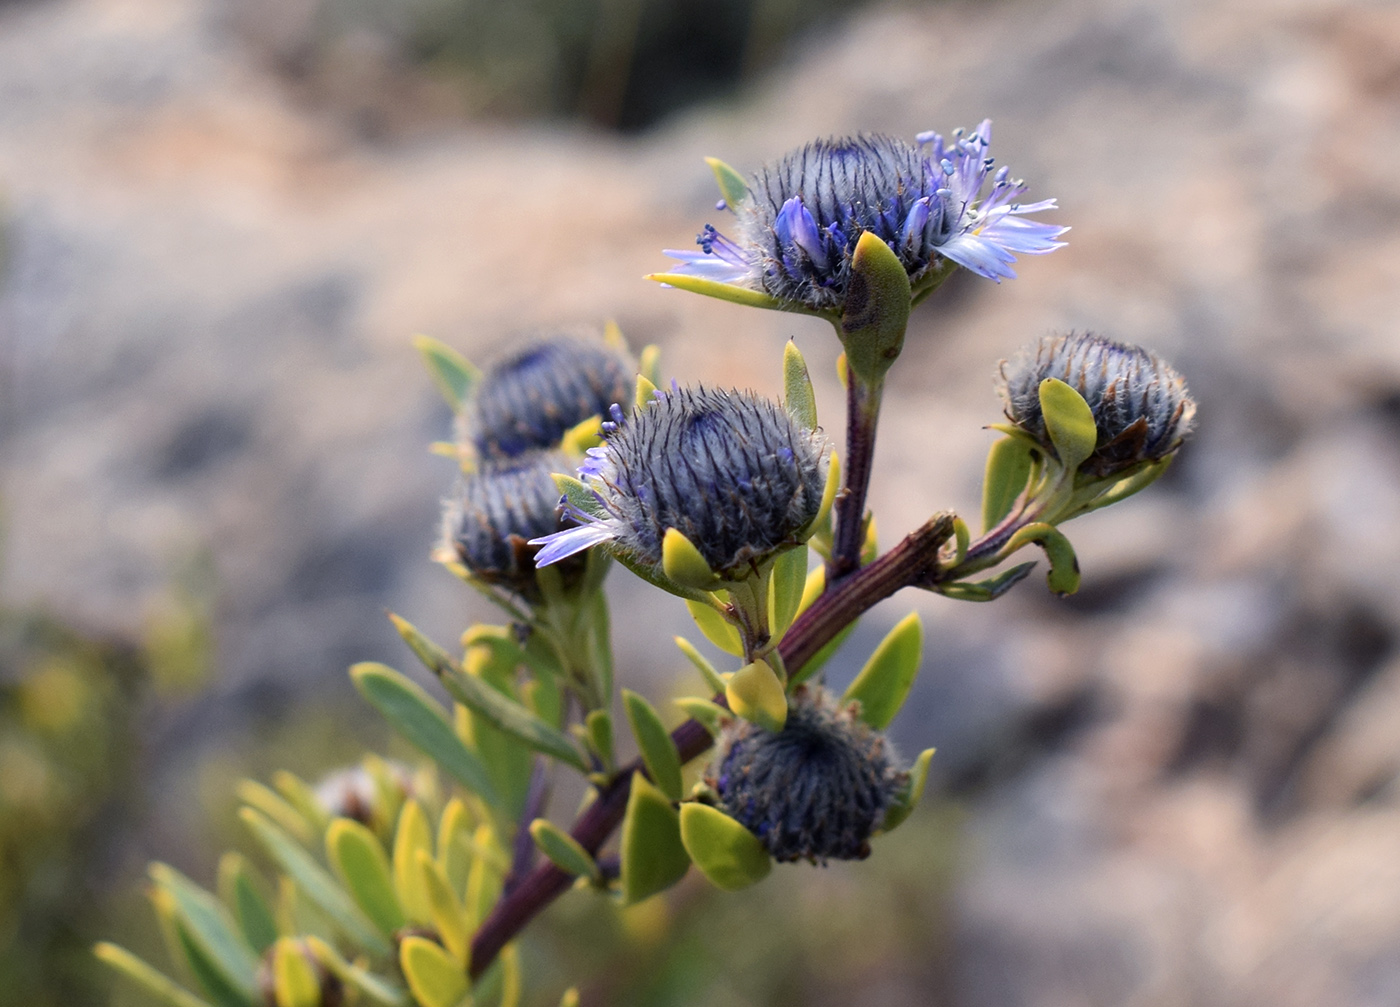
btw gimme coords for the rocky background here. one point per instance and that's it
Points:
(222, 222)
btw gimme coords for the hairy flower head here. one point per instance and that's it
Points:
(1140, 404)
(798, 228)
(530, 399)
(817, 789)
(494, 512)
(732, 472)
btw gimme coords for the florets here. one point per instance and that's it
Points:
(1141, 407)
(529, 400)
(732, 472)
(816, 790)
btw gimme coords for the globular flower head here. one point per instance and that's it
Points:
(798, 228)
(816, 790)
(495, 511)
(530, 399)
(732, 472)
(1140, 404)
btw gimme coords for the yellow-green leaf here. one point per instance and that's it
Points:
(578, 494)
(908, 798)
(731, 184)
(453, 373)
(659, 753)
(294, 981)
(412, 836)
(682, 562)
(724, 291)
(706, 669)
(798, 397)
(360, 861)
(206, 924)
(435, 978)
(728, 854)
(600, 735)
(449, 918)
(383, 991)
(1063, 576)
(717, 629)
(884, 683)
(159, 985)
(1008, 468)
(709, 714)
(786, 583)
(876, 311)
(1069, 421)
(239, 891)
(755, 694)
(653, 858)
(563, 850)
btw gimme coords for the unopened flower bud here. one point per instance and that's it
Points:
(733, 473)
(1140, 404)
(529, 400)
(816, 790)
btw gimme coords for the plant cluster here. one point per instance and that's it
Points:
(395, 889)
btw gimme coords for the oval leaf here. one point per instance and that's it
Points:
(449, 918)
(360, 860)
(659, 753)
(653, 857)
(798, 397)
(563, 850)
(1069, 421)
(716, 628)
(682, 562)
(1008, 468)
(786, 584)
(412, 836)
(294, 981)
(208, 926)
(755, 694)
(728, 854)
(434, 977)
(884, 683)
(251, 911)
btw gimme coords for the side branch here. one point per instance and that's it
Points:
(910, 562)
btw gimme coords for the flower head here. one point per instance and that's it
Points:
(493, 514)
(1142, 410)
(732, 472)
(531, 398)
(817, 789)
(798, 228)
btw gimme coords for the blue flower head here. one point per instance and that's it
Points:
(732, 472)
(495, 511)
(816, 790)
(940, 199)
(530, 399)
(1140, 404)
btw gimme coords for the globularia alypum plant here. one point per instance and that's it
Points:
(393, 890)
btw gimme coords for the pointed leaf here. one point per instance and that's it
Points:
(755, 694)
(250, 910)
(908, 798)
(1008, 468)
(503, 712)
(724, 291)
(582, 435)
(360, 861)
(563, 850)
(659, 753)
(412, 836)
(653, 858)
(1069, 421)
(876, 311)
(208, 926)
(710, 715)
(453, 374)
(313, 880)
(786, 584)
(833, 483)
(449, 917)
(294, 981)
(276, 807)
(649, 364)
(884, 683)
(989, 589)
(159, 985)
(717, 629)
(422, 722)
(682, 562)
(731, 184)
(434, 977)
(798, 397)
(600, 736)
(642, 394)
(381, 990)
(578, 494)
(302, 796)
(706, 669)
(728, 854)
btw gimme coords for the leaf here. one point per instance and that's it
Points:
(884, 683)
(731, 184)
(1063, 576)
(876, 311)
(578, 494)
(250, 910)
(434, 977)
(207, 925)
(313, 880)
(786, 584)
(725, 292)
(908, 797)
(381, 990)
(600, 736)
(511, 982)
(274, 806)
(798, 397)
(659, 753)
(159, 985)
(706, 669)
(360, 861)
(487, 873)
(653, 857)
(717, 629)
(1008, 468)
(710, 715)
(412, 836)
(1069, 422)
(455, 843)
(449, 917)
(682, 562)
(423, 723)
(453, 373)
(294, 982)
(728, 854)
(1135, 483)
(502, 712)
(755, 694)
(642, 392)
(833, 483)
(986, 590)
(563, 850)
(302, 796)
(649, 364)
(962, 538)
